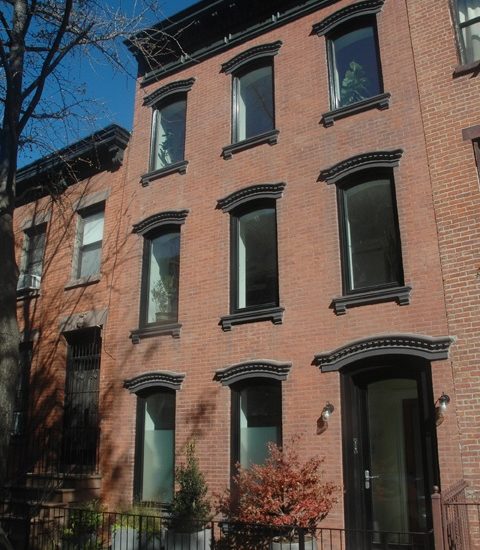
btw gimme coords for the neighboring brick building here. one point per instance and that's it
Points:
(284, 238)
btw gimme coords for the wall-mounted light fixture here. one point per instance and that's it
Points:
(327, 411)
(441, 408)
(322, 422)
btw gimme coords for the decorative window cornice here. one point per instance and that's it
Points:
(367, 7)
(180, 86)
(152, 222)
(162, 379)
(427, 347)
(260, 368)
(254, 192)
(364, 161)
(257, 52)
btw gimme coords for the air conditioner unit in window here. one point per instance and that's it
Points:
(28, 281)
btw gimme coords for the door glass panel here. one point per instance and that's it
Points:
(396, 484)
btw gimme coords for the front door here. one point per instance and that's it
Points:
(390, 458)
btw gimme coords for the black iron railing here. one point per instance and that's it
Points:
(92, 528)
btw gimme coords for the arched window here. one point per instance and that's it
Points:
(155, 434)
(256, 407)
(253, 254)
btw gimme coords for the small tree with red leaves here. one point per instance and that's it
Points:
(282, 493)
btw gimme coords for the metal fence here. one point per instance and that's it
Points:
(461, 518)
(92, 528)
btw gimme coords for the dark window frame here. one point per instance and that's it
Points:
(140, 437)
(235, 391)
(235, 215)
(179, 164)
(237, 75)
(348, 183)
(465, 65)
(149, 237)
(357, 23)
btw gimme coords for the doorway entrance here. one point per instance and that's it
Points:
(390, 458)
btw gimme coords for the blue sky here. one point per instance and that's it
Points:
(116, 90)
(113, 89)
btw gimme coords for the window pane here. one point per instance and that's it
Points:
(254, 103)
(89, 260)
(164, 265)
(373, 248)
(35, 249)
(356, 74)
(158, 447)
(257, 259)
(92, 228)
(168, 134)
(260, 421)
(471, 40)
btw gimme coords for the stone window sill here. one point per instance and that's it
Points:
(401, 294)
(473, 67)
(380, 102)
(83, 281)
(270, 137)
(274, 314)
(180, 167)
(172, 329)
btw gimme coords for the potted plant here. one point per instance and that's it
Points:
(190, 510)
(139, 528)
(355, 84)
(83, 527)
(285, 495)
(164, 296)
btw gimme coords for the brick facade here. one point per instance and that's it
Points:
(436, 191)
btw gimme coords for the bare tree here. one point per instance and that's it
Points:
(38, 40)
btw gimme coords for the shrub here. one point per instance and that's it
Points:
(190, 509)
(283, 493)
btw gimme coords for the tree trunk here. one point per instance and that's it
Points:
(9, 336)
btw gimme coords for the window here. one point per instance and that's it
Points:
(90, 235)
(253, 105)
(161, 276)
(468, 13)
(254, 256)
(168, 133)
(369, 232)
(155, 445)
(81, 398)
(22, 390)
(32, 263)
(256, 419)
(354, 63)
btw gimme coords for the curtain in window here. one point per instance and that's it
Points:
(468, 10)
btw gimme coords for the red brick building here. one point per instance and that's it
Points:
(295, 228)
